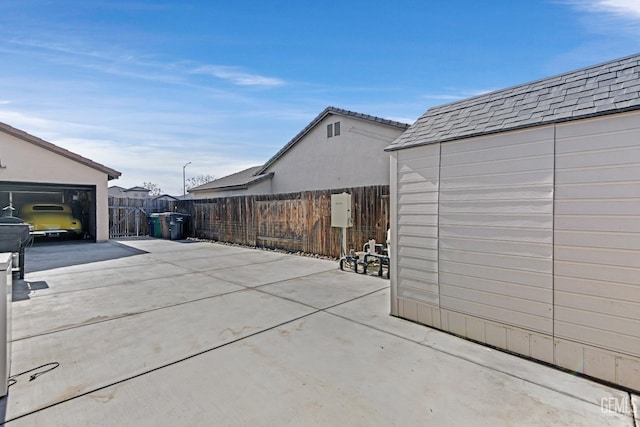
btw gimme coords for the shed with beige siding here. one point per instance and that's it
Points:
(516, 220)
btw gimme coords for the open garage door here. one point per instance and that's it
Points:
(17, 198)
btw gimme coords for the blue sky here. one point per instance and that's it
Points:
(145, 86)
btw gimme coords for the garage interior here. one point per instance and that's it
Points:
(81, 199)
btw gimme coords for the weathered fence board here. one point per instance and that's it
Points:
(295, 221)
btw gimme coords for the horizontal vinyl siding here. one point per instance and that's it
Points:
(597, 233)
(496, 228)
(417, 224)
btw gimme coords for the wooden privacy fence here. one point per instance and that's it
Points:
(293, 221)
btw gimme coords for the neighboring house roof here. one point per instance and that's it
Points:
(328, 111)
(137, 188)
(165, 197)
(236, 181)
(111, 173)
(607, 88)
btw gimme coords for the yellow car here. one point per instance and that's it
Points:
(51, 219)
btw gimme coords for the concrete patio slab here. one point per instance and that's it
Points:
(103, 276)
(99, 354)
(324, 370)
(325, 289)
(280, 269)
(66, 310)
(276, 340)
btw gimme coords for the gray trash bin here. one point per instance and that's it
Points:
(176, 225)
(14, 235)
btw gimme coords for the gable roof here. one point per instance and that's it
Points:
(10, 130)
(236, 181)
(137, 188)
(165, 196)
(607, 88)
(326, 112)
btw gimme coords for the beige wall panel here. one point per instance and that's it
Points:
(588, 333)
(418, 209)
(532, 178)
(615, 173)
(587, 222)
(602, 304)
(597, 289)
(416, 187)
(497, 207)
(599, 272)
(417, 231)
(533, 250)
(597, 233)
(540, 280)
(606, 240)
(595, 190)
(417, 224)
(596, 207)
(610, 257)
(507, 262)
(525, 192)
(428, 220)
(533, 293)
(619, 291)
(515, 302)
(479, 203)
(538, 236)
(425, 293)
(417, 242)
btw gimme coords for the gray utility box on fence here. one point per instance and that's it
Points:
(341, 210)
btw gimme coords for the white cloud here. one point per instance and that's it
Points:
(628, 9)
(238, 76)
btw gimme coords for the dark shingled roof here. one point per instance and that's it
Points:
(327, 111)
(238, 180)
(607, 88)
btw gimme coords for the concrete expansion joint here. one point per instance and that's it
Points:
(635, 408)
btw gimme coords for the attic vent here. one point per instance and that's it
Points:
(333, 129)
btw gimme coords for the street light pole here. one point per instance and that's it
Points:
(184, 181)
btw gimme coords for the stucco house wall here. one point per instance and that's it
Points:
(524, 234)
(42, 162)
(355, 158)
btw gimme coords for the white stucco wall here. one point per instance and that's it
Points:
(26, 162)
(355, 158)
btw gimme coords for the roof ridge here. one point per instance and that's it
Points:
(540, 80)
(596, 90)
